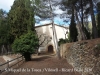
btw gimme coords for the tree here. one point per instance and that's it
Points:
(21, 18)
(26, 45)
(90, 5)
(22, 22)
(94, 28)
(82, 9)
(98, 19)
(54, 30)
(73, 5)
(47, 13)
(4, 32)
(73, 32)
(72, 28)
(4, 28)
(41, 9)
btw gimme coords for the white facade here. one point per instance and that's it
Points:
(46, 29)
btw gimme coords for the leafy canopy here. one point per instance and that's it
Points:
(62, 41)
(4, 28)
(26, 43)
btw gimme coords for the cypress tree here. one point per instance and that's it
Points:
(21, 18)
(72, 28)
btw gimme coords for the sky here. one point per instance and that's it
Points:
(6, 5)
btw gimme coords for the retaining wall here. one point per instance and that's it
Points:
(84, 56)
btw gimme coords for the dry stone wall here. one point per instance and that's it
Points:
(83, 56)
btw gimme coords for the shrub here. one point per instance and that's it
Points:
(26, 44)
(62, 41)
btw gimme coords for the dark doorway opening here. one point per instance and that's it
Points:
(50, 49)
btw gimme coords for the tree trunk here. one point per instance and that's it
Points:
(27, 56)
(81, 35)
(3, 50)
(54, 32)
(94, 28)
(82, 22)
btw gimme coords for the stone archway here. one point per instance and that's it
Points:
(50, 49)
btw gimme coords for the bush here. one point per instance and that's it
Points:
(26, 44)
(62, 41)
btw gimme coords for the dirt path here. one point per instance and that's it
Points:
(45, 65)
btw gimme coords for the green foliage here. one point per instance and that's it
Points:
(4, 28)
(69, 2)
(21, 18)
(73, 33)
(41, 9)
(72, 29)
(26, 43)
(62, 41)
(70, 5)
(2, 14)
(4, 34)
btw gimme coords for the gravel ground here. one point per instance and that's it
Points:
(44, 65)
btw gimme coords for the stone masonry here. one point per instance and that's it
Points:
(84, 56)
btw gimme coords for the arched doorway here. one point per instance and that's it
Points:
(50, 49)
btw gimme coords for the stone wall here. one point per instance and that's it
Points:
(84, 56)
